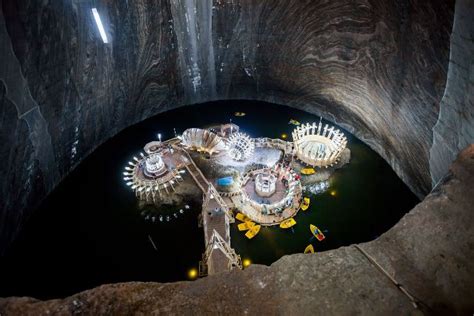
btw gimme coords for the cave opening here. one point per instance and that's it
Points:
(92, 230)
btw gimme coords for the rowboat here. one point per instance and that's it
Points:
(316, 232)
(309, 249)
(308, 171)
(294, 122)
(245, 225)
(241, 217)
(252, 232)
(305, 204)
(287, 223)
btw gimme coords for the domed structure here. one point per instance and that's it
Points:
(202, 140)
(240, 146)
(317, 146)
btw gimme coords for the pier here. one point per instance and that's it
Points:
(216, 216)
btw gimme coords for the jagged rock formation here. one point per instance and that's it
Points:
(429, 253)
(377, 68)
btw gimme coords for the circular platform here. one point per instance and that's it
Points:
(153, 147)
(271, 208)
(152, 175)
(318, 146)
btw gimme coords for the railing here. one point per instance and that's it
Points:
(207, 188)
(286, 147)
(216, 242)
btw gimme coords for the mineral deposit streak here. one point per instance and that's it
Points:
(193, 28)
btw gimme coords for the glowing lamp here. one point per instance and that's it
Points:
(246, 263)
(192, 273)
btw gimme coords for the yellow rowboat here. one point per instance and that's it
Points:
(252, 232)
(294, 122)
(316, 232)
(241, 217)
(239, 113)
(309, 249)
(287, 223)
(305, 204)
(308, 171)
(245, 226)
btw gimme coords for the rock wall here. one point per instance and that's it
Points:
(378, 68)
(454, 129)
(428, 254)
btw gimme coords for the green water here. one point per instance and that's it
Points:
(90, 230)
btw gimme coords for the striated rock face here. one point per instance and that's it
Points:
(454, 129)
(377, 68)
(429, 254)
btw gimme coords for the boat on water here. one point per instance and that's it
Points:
(241, 217)
(239, 113)
(305, 204)
(294, 122)
(287, 223)
(308, 171)
(252, 232)
(316, 232)
(245, 225)
(309, 249)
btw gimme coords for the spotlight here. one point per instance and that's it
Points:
(193, 273)
(246, 263)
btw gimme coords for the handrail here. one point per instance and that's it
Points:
(210, 186)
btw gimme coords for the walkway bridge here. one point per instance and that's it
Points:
(216, 217)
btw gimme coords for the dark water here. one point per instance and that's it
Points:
(89, 231)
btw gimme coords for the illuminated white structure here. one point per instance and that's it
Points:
(202, 140)
(154, 165)
(318, 146)
(149, 176)
(240, 146)
(265, 184)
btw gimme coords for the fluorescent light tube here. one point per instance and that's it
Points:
(99, 25)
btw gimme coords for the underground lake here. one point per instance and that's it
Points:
(93, 230)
